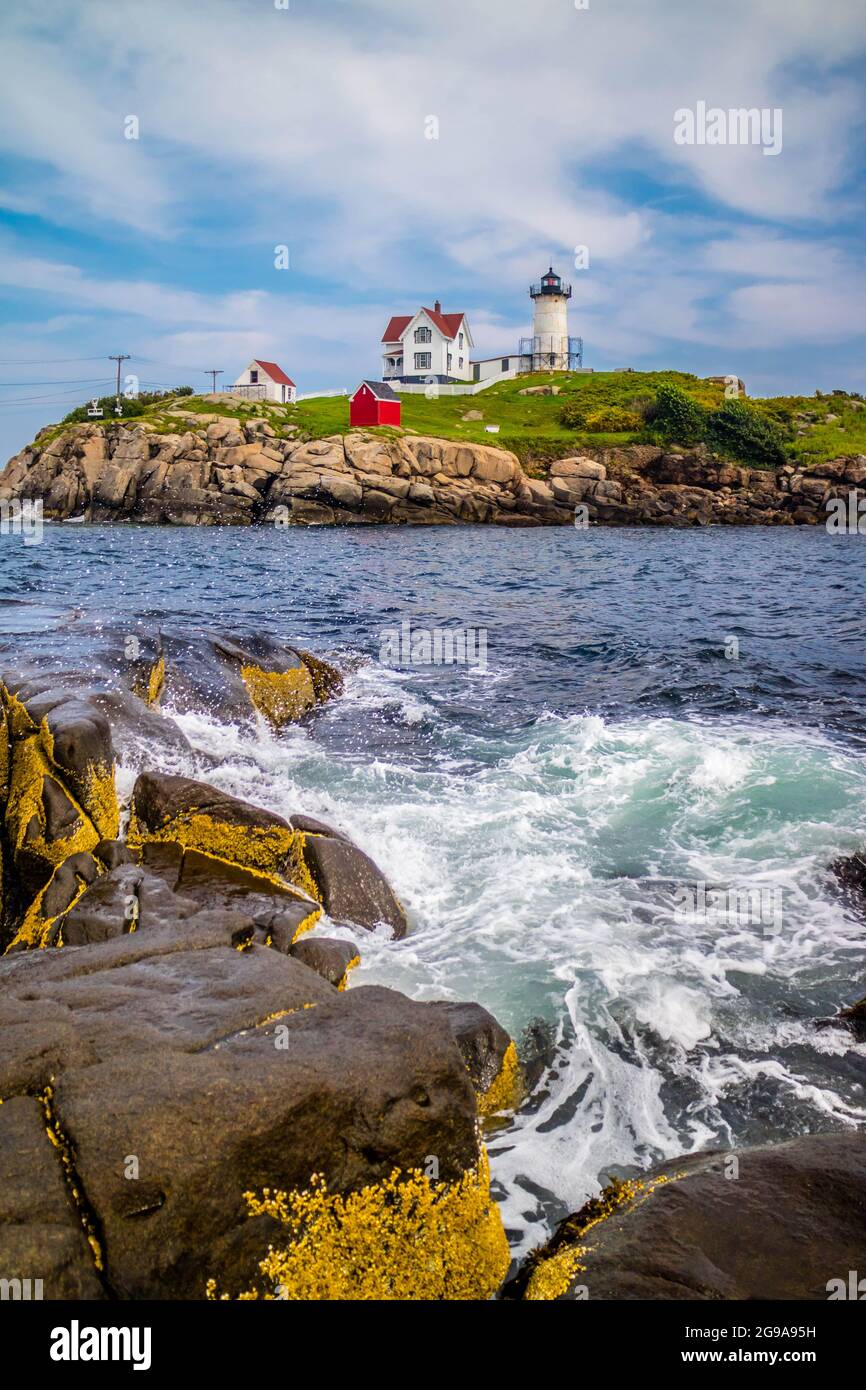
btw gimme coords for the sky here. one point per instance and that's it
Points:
(404, 151)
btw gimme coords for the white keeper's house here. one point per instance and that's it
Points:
(427, 346)
(265, 381)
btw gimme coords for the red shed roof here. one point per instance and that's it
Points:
(274, 372)
(449, 324)
(380, 389)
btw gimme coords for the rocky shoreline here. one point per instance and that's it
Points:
(223, 472)
(189, 1091)
(197, 1102)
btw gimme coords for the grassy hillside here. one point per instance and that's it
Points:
(531, 425)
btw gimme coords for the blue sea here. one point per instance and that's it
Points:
(655, 710)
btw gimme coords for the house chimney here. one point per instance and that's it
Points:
(437, 307)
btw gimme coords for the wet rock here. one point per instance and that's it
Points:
(783, 1221)
(329, 958)
(850, 873)
(231, 849)
(350, 886)
(41, 1235)
(854, 1017)
(181, 1073)
(489, 1054)
(58, 801)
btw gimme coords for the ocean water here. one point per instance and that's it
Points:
(656, 710)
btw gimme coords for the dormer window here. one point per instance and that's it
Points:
(423, 335)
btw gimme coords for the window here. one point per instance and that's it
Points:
(461, 339)
(423, 360)
(450, 360)
(423, 335)
(461, 363)
(505, 364)
(254, 378)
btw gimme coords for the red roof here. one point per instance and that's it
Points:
(449, 324)
(274, 372)
(398, 325)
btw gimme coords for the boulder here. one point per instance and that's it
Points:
(235, 677)
(175, 1073)
(488, 1053)
(350, 886)
(57, 799)
(578, 467)
(777, 1222)
(329, 958)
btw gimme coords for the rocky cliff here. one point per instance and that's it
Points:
(223, 471)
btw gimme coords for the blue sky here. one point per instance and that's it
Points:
(307, 126)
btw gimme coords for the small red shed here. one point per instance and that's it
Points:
(374, 403)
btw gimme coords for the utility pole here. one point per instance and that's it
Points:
(214, 373)
(118, 357)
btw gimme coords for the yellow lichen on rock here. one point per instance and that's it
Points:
(96, 790)
(506, 1092)
(351, 965)
(67, 1159)
(100, 802)
(4, 751)
(280, 696)
(553, 1274)
(262, 849)
(406, 1238)
(31, 776)
(35, 928)
(155, 682)
(327, 680)
(300, 872)
(307, 924)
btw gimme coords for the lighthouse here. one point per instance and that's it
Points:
(552, 349)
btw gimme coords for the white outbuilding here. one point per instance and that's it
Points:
(265, 381)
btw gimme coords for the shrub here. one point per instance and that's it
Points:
(678, 417)
(644, 406)
(572, 415)
(742, 431)
(613, 419)
(130, 406)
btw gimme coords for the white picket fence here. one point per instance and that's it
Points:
(319, 395)
(435, 389)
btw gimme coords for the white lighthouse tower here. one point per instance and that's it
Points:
(551, 348)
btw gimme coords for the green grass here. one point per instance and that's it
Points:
(530, 425)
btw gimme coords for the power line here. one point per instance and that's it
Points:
(213, 373)
(44, 361)
(75, 381)
(52, 396)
